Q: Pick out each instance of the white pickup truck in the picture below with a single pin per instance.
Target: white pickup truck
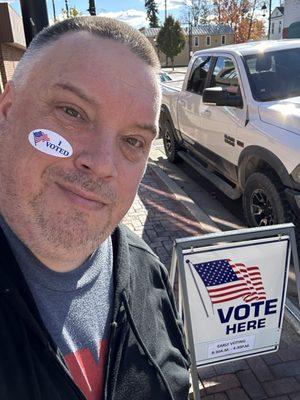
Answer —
(236, 120)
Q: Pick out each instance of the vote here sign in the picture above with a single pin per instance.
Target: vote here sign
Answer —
(236, 295)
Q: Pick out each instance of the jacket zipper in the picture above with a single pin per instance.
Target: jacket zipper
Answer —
(113, 327)
(65, 372)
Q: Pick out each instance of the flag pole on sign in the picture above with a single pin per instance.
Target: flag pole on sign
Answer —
(190, 264)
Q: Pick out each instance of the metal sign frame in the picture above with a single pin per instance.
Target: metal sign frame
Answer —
(213, 239)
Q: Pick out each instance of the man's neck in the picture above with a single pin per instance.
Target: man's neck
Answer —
(62, 261)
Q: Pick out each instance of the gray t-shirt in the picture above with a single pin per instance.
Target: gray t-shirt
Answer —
(75, 307)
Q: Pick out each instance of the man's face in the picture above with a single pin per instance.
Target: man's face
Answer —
(104, 101)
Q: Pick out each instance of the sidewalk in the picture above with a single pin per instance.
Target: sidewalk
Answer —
(158, 217)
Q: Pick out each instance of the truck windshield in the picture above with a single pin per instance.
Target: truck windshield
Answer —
(274, 75)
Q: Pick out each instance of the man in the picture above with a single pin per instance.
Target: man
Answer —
(86, 311)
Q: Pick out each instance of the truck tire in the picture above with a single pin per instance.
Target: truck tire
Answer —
(264, 201)
(170, 144)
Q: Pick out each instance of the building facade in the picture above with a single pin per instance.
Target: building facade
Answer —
(276, 27)
(12, 42)
(201, 37)
(285, 20)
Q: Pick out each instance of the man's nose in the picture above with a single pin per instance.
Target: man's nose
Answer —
(99, 157)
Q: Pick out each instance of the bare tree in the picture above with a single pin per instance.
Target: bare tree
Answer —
(196, 12)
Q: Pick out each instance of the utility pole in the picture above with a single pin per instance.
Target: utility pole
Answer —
(270, 12)
(92, 7)
(35, 17)
(190, 34)
(67, 8)
(54, 13)
(165, 10)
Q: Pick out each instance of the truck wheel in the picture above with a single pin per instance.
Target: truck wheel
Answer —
(263, 202)
(170, 144)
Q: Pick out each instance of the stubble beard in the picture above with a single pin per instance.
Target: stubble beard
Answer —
(71, 229)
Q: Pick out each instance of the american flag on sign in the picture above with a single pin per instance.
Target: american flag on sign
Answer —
(225, 281)
(40, 136)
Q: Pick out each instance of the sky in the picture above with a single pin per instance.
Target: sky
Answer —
(131, 11)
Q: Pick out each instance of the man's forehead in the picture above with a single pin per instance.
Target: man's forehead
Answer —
(76, 44)
(96, 56)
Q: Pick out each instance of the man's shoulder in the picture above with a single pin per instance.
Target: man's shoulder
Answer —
(136, 243)
(138, 251)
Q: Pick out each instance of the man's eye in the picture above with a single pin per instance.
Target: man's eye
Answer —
(72, 112)
(134, 142)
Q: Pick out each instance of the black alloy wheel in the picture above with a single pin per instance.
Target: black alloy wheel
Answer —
(264, 201)
(262, 210)
(170, 144)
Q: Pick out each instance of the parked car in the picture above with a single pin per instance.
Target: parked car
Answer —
(164, 76)
(236, 120)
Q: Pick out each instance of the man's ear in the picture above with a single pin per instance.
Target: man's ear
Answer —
(6, 99)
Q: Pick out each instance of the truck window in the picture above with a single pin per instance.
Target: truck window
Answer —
(198, 75)
(225, 75)
(274, 75)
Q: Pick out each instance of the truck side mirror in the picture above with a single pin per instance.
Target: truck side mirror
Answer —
(219, 96)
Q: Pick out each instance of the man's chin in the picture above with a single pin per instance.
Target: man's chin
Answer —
(76, 232)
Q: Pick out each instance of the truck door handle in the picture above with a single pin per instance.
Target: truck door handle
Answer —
(205, 113)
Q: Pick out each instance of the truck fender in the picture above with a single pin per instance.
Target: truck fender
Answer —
(256, 158)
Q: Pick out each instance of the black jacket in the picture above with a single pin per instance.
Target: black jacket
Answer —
(147, 358)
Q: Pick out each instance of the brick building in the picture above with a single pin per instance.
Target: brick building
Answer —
(12, 42)
(202, 37)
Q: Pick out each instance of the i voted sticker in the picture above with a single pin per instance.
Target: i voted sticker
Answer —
(50, 142)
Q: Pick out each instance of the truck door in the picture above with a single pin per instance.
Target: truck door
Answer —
(190, 100)
(220, 124)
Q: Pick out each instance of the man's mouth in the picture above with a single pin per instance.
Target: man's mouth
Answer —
(82, 198)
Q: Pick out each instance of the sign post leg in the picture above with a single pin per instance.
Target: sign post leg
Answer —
(188, 327)
(173, 267)
(295, 261)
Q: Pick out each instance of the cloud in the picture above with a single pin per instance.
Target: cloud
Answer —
(135, 18)
(171, 4)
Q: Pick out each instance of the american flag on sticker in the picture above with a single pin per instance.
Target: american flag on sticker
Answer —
(225, 281)
(40, 136)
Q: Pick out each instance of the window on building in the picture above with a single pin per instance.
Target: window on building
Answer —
(279, 27)
(207, 40)
(198, 75)
(196, 41)
(223, 39)
(272, 28)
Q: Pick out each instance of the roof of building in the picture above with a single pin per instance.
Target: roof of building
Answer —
(281, 9)
(208, 29)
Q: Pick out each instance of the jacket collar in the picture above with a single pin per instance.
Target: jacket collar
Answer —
(15, 291)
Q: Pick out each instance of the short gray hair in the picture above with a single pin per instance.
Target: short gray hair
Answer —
(106, 28)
